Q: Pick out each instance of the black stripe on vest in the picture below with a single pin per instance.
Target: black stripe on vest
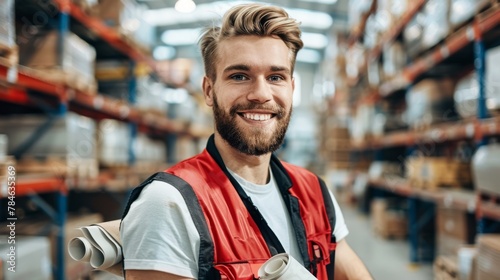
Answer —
(206, 254)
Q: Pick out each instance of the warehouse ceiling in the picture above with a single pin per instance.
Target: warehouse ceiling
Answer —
(177, 32)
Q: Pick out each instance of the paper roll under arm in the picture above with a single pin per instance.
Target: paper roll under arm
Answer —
(284, 267)
(80, 249)
(106, 237)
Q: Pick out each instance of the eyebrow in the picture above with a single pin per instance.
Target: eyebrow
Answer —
(245, 67)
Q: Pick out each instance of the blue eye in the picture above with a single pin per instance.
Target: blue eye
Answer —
(238, 77)
(275, 78)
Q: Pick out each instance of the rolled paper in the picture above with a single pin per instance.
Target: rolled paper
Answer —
(284, 267)
(80, 249)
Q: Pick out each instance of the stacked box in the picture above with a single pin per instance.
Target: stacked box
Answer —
(434, 172)
(336, 146)
(446, 268)
(7, 27)
(455, 228)
(68, 147)
(75, 66)
(488, 257)
(113, 139)
(149, 150)
(387, 221)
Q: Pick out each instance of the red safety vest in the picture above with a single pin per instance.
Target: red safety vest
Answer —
(231, 244)
(239, 248)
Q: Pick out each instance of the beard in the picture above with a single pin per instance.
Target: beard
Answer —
(255, 141)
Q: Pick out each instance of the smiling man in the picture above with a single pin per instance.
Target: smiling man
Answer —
(224, 212)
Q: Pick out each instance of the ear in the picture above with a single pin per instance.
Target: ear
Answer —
(208, 91)
(293, 84)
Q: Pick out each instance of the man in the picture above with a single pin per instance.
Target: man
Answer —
(224, 212)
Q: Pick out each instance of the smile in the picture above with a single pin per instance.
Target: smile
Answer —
(257, 116)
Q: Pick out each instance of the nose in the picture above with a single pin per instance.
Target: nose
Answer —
(260, 91)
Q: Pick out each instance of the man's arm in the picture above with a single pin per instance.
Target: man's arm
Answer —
(348, 265)
(151, 275)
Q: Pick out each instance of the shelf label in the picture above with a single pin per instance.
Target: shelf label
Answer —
(445, 52)
(470, 33)
(71, 93)
(448, 201)
(124, 111)
(469, 130)
(12, 75)
(492, 127)
(98, 102)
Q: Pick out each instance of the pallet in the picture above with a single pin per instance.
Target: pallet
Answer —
(391, 235)
(433, 185)
(76, 168)
(9, 55)
(70, 79)
(446, 268)
(337, 145)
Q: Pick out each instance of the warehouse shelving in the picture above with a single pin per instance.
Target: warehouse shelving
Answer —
(451, 131)
(395, 30)
(465, 44)
(110, 35)
(21, 86)
(451, 45)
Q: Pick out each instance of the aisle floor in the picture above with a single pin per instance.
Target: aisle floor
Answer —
(385, 259)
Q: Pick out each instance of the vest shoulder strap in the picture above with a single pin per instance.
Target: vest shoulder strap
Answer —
(206, 243)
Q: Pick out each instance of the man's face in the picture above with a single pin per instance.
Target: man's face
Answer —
(252, 95)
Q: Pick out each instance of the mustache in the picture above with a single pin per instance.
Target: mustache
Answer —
(277, 110)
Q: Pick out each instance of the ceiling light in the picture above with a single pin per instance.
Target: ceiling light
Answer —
(309, 56)
(181, 37)
(175, 96)
(164, 52)
(213, 12)
(185, 6)
(314, 40)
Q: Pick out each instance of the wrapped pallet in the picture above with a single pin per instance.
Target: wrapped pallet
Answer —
(68, 147)
(430, 101)
(7, 28)
(73, 67)
(8, 48)
(113, 143)
(467, 90)
(436, 25)
(463, 10)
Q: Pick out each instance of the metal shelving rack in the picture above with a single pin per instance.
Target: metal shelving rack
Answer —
(28, 90)
(477, 129)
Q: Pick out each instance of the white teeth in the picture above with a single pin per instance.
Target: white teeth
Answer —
(257, 117)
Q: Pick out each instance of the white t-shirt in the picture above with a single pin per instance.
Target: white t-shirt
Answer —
(159, 234)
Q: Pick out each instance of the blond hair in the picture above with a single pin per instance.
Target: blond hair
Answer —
(250, 19)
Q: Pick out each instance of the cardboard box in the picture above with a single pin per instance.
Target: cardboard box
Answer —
(455, 228)
(488, 257)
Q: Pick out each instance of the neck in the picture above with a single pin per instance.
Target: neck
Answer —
(252, 168)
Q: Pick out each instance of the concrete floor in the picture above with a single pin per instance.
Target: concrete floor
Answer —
(385, 259)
